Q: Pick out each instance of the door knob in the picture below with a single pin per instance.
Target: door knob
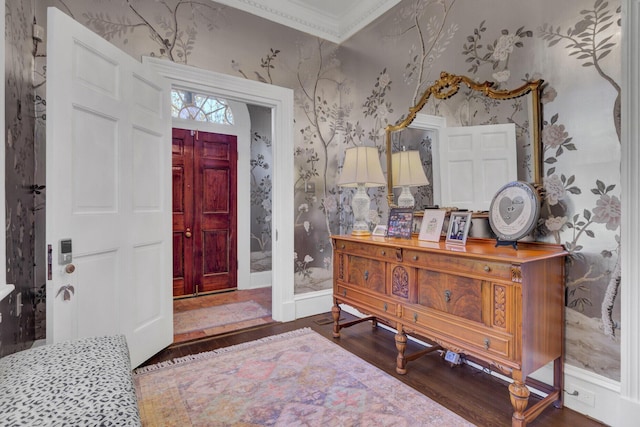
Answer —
(70, 268)
(187, 233)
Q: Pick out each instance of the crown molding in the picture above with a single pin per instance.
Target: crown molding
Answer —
(332, 20)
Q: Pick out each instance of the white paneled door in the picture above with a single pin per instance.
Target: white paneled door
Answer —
(485, 156)
(108, 191)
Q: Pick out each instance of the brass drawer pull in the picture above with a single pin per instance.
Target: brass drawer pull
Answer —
(344, 293)
(487, 268)
(366, 275)
(383, 253)
(415, 317)
(486, 343)
(447, 295)
(385, 306)
(342, 246)
(415, 257)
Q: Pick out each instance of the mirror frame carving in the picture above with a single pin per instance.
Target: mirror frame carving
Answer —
(447, 86)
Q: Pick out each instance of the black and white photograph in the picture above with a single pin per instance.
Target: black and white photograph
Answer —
(459, 224)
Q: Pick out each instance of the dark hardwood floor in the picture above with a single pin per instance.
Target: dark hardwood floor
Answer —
(475, 395)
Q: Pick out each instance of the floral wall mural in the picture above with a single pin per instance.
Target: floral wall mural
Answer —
(345, 96)
(18, 329)
(261, 200)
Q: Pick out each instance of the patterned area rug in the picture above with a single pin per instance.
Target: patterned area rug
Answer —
(216, 316)
(298, 378)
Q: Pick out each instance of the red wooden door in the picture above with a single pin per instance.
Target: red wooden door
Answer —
(205, 217)
(183, 208)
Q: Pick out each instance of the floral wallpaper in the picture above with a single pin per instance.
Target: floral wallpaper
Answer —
(345, 96)
(261, 200)
(18, 330)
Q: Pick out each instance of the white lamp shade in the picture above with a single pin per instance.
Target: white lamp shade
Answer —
(362, 166)
(407, 170)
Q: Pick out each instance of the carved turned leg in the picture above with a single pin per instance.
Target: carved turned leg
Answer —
(401, 345)
(519, 400)
(335, 313)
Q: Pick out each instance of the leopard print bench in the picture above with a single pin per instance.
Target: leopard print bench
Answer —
(86, 382)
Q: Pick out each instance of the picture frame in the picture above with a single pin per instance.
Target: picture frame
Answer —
(380, 230)
(400, 223)
(417, 223)
(459, 225)
(431, 227)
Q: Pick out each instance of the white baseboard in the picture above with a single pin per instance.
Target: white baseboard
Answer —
(260, 279)
(312, 303)
(587, 393)
(601, 396)
(38, 343)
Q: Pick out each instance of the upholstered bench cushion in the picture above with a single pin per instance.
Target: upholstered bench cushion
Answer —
(85, 382)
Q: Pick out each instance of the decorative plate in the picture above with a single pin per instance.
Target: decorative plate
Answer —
(514, 211)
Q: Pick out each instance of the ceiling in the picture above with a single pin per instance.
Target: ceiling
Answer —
(332, 20)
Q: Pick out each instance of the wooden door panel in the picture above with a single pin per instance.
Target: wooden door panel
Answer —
(178, 189)
(216, 211)
(215, 197)
(216, 250)
(204, 186)
(216, 150)
(182, 161)
(178, 264)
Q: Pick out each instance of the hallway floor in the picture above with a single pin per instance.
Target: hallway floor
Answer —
(262, 296)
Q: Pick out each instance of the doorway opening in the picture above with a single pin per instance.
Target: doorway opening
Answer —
(279, 101)
(204, 171)
(222, 208)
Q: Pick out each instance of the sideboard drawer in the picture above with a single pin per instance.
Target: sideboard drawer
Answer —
(373, 251)
(366, 301)
(366, 273)
(476, 267)
(482, 340)
(456, 295)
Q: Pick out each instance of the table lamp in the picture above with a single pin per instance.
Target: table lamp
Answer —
(361, 169)
(407, 172)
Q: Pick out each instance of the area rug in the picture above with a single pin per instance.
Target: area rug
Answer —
(218, 315)
(298, 378)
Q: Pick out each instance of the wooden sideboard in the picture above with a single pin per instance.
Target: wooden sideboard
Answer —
(499, 306)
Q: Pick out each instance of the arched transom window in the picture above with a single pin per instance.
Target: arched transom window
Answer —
(200, 107)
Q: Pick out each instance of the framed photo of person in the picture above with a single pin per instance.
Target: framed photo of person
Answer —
(459, 224)
(400, 223)
(431, 227)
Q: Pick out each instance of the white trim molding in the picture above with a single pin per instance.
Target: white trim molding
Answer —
(630, 226)
(5, 289)
(280, 101)
(332, 20)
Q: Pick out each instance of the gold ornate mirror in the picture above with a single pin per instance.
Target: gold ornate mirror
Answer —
(491, 99)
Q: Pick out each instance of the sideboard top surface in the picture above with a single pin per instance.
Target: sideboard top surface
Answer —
(474, 248)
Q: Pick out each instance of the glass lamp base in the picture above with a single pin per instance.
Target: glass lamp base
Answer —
(405, 199)
(360, 205)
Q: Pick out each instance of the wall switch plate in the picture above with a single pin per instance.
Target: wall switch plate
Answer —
(452, 357)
